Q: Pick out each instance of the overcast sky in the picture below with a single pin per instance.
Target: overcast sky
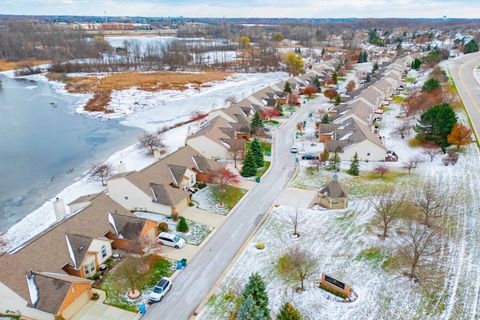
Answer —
(249, 8)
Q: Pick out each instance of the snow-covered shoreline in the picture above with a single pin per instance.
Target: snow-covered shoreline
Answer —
(145, 110)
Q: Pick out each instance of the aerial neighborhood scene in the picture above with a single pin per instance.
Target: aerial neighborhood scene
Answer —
(254, 160)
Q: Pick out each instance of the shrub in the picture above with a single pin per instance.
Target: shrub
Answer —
(201, 185)
(260, 246)
(95, 296)
(182, 225)
(191, 204)
(163, 227)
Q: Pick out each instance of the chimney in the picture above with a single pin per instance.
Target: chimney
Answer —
(122, 168)
(157, 154)
(59, 208)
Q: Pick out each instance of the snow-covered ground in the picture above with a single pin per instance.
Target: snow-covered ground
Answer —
(148, 111)
(340, 239)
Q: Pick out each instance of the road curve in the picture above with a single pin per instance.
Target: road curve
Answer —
(193, 284)
(468, 87)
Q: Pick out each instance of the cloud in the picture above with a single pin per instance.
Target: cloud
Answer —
(250, 8)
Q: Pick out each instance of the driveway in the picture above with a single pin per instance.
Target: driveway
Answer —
(468, 87)
(99, 311)
(294, 197)
(193, 284)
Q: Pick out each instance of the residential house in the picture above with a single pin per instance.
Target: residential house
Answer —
(46, 276)
(218, 139)
(163, 187)
(352, 136)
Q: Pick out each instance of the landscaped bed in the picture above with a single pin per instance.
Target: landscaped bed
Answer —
(208, 199)
(116, 287)
(197, 232)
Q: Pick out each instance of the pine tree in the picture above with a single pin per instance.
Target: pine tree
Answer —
(365, 56)
(256, 122)
(375, 67)
(334, 163)
(316, 83)
(255, 288)
(279, 108)
(287, 88)
(355, 166)
(288, 312)
(369, 77)
(325, 118)
(249, 168)
(182, 225)
(248, 310)
(257, 153)
(335, 77)
(338, 100)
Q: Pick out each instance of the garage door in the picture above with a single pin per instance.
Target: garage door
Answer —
(76, 305)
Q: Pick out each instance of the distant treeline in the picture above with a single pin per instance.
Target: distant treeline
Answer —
(26, 40)
(178, 55)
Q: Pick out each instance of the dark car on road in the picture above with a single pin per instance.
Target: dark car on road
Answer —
(309, 156)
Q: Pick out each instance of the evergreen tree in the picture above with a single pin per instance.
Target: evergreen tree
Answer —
(431, 84)
(368, 78)
(316, 82)
(360, 57)
(334, 163)
(436, 124)
(248, 310)
(257, 153)
(324, 51)
(375, 67)
(182, 225)
(256, 289)
(287, 88)
(335, 77)
(365, 56)
(249, 168)
(256, 122)
(325, 118)
(355, 166)
(470, 47)
(416, 64)
(279, 108)
(338, 100)
(288, 312)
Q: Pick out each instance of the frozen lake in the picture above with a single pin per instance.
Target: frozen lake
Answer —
(42, 140)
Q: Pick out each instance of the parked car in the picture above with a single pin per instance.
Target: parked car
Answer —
(294, 149)
(160, 290)
(171, 240)
(309, 156)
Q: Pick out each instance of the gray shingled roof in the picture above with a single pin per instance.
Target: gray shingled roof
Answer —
(160, 194)
(80, 245)
(334, 189)
(177, 173)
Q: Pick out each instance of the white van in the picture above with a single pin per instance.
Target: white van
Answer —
(171, 240)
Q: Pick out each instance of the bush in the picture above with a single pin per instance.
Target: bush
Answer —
(95, 296)
(201, 185)
(191, 204)
(182, 225)
(260, 246)
(163, 227)
(95, 277)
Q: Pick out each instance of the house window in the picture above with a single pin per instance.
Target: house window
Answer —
(126, 198)
(89, 268)
(104, 252)
(368, 154)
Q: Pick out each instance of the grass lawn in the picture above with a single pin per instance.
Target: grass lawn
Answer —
(261, 171)
(116, 288)
(271, 122)
(231, 197)
(409, 80)
(387, 177)
(398, 99)
(266, 146)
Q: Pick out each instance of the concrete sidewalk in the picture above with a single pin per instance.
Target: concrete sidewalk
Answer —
(204, 217)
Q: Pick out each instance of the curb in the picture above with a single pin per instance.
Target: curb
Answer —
(232, 263)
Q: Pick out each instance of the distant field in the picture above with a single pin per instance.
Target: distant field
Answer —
(13, 65)
(102, 87)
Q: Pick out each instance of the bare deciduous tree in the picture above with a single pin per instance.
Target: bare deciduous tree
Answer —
(431, 150)
(236, 154)
(150, 141)
(231, 100)
(412, 163)
(417, 243)
(388, 205)
(129, 276)
(317, 163)
(403, 130)
(431, 202)
(101, 171)
(296, 218)
(381, 170)
(297, 265)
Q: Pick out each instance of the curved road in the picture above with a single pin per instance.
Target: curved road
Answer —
(468, 87)
(193, 284)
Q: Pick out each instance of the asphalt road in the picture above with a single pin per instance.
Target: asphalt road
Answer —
(468, 87)
(193, 284)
